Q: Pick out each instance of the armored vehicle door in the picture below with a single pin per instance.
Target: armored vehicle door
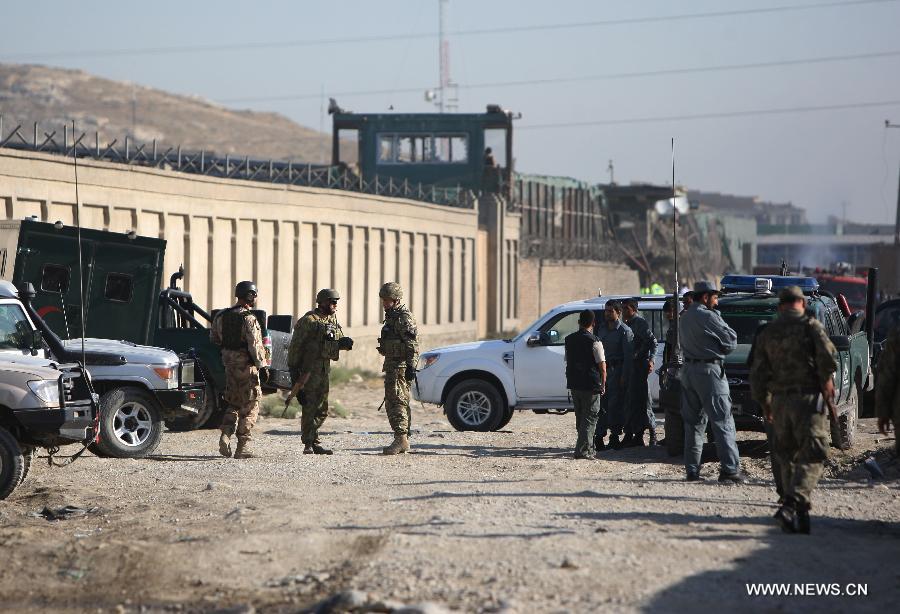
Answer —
(51, 265)
(122, 291)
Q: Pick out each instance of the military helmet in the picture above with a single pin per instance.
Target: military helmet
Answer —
(327, 294)
(391, 290)
(244, 288)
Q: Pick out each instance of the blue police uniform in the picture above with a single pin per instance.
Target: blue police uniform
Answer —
(705, 341)
(618, 348)
(640, 416)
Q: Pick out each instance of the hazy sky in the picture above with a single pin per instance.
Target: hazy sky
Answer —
(818, 159)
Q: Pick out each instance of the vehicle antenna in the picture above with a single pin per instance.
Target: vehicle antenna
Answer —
(675, 301)
(78, 227)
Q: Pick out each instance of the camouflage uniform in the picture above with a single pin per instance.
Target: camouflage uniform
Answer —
(400, 349)
(792, 359)
(236, 331)
(887, 384)
(314, 345)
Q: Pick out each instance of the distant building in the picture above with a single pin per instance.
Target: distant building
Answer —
(765, 213)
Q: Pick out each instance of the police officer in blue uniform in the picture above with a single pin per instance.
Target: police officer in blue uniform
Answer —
(705, 340)
(618, 341)
(639, 415)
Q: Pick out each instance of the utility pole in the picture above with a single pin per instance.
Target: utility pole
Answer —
(888, 124)
(448, 99)
(612, 176)
(133, 112)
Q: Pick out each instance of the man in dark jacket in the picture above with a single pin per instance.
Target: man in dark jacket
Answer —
(586, 381)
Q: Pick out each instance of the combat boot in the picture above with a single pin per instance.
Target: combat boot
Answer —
(801, 521)
(243, 449)
(317, 449)
(225, 441)
(787, 515)
(308, 449)
(400, 445)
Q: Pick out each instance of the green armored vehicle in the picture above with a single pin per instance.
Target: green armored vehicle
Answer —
(125, 304)
(747, 303)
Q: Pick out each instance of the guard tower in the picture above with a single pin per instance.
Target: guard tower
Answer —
(468, 150)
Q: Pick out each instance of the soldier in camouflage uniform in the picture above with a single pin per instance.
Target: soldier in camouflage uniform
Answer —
(793, 365)
(887, 387)
(399, 346)
(317, 340)
(237, 332)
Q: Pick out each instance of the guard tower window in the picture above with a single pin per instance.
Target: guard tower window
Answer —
(119, 288)
(55, 278)
(423, 148)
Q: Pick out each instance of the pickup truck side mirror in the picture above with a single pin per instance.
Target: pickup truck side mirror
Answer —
(533, 341)
(841, 342)
(37, 342)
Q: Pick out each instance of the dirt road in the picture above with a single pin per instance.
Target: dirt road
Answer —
(472, 521)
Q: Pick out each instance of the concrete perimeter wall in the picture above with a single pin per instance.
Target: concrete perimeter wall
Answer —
(292, 241)
(546, 283)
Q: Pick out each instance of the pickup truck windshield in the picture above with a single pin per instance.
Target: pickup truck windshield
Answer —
(15, 329)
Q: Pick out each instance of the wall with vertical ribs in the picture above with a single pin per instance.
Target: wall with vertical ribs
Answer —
(292, 241)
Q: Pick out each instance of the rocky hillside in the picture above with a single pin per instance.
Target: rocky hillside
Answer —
(54, 96)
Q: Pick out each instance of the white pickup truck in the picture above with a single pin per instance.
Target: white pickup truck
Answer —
(480, 384)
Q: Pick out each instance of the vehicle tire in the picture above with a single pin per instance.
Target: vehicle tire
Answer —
(191, 423)
(474, 405)
(130, 424)
(12, 463)
(507, 416)
(27, 457)
(674, 429)
(844, 434)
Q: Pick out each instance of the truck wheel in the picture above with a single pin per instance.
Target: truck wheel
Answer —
(507, 416)
(474, 405)
(12, 463)
(130, 424)
(190, 423)
(674, 434)
(844, 433)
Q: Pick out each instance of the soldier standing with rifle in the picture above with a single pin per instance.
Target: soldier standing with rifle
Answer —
(399, 345)
(317, 340)
(792, 379)
(236, 331)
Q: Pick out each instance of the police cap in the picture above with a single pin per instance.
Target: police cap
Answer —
(704, 287)
(327, 295)
(244, 288)
(790, 294)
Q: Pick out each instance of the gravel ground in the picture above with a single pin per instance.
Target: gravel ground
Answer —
(475, 522)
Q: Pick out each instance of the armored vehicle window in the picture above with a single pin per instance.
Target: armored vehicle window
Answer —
(119, 288)
(564, 324)
(55, 278)
(15, 330)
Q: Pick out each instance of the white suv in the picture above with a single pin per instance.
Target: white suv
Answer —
(480, 384)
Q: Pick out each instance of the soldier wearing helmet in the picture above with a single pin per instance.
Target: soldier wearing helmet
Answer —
(317, 340)
(237, 332)
(399, 346)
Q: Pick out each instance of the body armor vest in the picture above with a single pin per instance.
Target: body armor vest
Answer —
(582, 372)
(232, 330)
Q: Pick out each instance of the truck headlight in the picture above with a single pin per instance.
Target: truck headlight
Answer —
(46, 390)
(426, 360)
(168, 374)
